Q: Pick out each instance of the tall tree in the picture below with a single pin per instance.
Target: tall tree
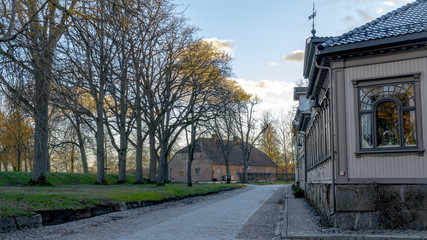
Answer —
(205, 70)
(89, 51)
(222, 124)
(43, 23)
(246, 130)
(269, 140)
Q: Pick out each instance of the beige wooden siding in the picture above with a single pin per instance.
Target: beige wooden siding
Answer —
(404, 166)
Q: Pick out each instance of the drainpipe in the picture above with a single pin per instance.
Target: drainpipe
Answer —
(305, 163)
(331, 119)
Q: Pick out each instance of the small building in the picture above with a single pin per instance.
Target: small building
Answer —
(365, 161)
(209, 163)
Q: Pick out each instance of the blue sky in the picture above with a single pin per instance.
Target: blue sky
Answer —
(267, 37)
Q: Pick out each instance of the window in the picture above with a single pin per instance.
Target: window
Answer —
(388, 115)
(181, 171)
(197, 172)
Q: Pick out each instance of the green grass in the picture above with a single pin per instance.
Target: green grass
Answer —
(77, 191)
(22, 178)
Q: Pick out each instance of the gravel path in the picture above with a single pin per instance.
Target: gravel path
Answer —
(263, 224)
(219, 216)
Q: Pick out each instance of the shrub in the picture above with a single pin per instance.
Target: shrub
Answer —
(299, 193)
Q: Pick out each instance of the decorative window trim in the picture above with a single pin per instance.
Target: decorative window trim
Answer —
(413, 78)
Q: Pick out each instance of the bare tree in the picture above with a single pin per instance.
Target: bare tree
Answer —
(269, 140)
(246, 130)
(89, 51)
(222, 124)
(285, 137)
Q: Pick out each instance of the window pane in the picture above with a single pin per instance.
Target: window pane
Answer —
(387, 120)
(409, 128)
(366, 126)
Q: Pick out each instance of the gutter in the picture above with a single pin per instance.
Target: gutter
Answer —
(331, 119)
(367, 45)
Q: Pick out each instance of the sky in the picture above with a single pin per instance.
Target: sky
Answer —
(267, 37)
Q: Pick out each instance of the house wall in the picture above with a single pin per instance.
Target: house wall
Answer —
(382, 167)
(180, 161)
(321, 173)
(372, 190)
(234, 169)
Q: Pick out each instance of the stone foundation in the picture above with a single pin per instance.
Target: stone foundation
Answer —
(368, 206)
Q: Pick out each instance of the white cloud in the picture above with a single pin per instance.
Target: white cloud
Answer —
(223, 45)
(295, 56)
(380, 11)
(349, 19)
(272, 63)
(276, 96)
(389, 3)
(365, 15)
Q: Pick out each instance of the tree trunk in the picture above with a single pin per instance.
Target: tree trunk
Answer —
(41, 110)
(153, 155)
(19, 158)
(139, 178)
(190, 161)
(100, 150)
(122, 161)
(81, 146)
(139, 144)
(245, 172)
(25, 164)
(162, 166)
(165, 169)
(227, 168)
(72, 158)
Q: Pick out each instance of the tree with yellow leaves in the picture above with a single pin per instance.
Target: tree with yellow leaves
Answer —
(16, 136)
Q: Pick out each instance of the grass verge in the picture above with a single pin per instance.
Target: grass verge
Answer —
(22, 178)
(71, 192)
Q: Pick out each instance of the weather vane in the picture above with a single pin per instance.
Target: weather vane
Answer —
(311, 17)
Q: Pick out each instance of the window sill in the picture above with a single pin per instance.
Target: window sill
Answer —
(390, 152)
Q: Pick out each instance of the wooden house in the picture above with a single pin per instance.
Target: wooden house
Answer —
(365, 161)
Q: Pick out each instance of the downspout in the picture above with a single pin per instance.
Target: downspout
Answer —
(331, 120)
(305, 162)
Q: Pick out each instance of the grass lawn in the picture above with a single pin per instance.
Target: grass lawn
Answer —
(77, 191)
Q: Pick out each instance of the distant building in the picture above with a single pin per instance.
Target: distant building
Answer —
(364, 145)
(209, 163)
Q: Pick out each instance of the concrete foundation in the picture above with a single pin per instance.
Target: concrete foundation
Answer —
(369, 206)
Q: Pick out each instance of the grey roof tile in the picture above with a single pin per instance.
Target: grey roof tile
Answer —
(411, 18)
(213, 150)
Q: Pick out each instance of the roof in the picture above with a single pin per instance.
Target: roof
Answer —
(302, 116)
(305, 106)
(409, 19)
(310, 51)
(212, 149)
(299, 91)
